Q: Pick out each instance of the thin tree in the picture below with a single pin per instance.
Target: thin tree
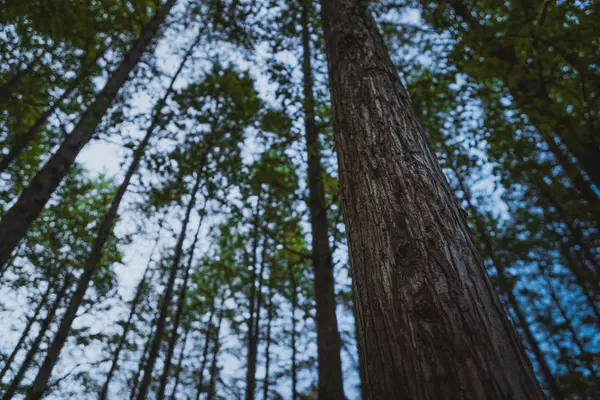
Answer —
(328, 335)
(17, 220)
(430, 323)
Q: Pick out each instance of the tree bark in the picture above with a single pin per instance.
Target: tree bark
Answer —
(140, 368)
(266, 382)
(430, 323)
(294, 299)
(328, 335)
(214, 370)
(178, 314)
(20, 216)
(251, 338)
(30, 321)
(200, 385)
(35, 346)
(179, 366)
(165, 301)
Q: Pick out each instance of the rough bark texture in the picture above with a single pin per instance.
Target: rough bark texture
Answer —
(18, 218)
(430, 324)
(328, 335)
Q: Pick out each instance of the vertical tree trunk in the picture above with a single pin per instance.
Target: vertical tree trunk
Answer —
(431, 325)
(165, 301)
(178, 313)
(30, 321)
(35, 346)
(20, 216)
(200, 385)
(251, 338)
(293, 335)
(328, 336)
(142, 363)
(135, 302)
(266, 382)
(214, 370)
(179, 366)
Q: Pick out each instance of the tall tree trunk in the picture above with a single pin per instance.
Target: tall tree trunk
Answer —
(178, 313)
(266, 382)
(214, 370)
(165, 301)
(20, 216)
(430, 323)
(23, 140)
(142, 362)
(251, 338)
(534, 346)
(293, 335)
(179, 366)
(200, 385)
(35, 346)
(328, 335)
(30, 321)
(135, 302)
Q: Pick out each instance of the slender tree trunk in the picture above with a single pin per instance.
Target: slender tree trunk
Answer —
(23, 140)
(143, 359)
(214, 370)
(293, 335)
(430, 323)
(20, 216)
(165, 301)
(534, 346)
(135, 302)
(200, 385)
(179, 366)
(178, 313)
(252, 345)
(328, 336)
(30, 321)
(35, 346)
(266, 382)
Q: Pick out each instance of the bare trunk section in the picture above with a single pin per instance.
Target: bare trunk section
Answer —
(140, 368)
(328, 336)
(20, 216)
(178, 314)
(30, 321)
(214, 370)
(430, 323)
(35, 346)
(266, 382)
(135, 302)
(200, 384)
(251, 338)
(179, 366)
(293, 335)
